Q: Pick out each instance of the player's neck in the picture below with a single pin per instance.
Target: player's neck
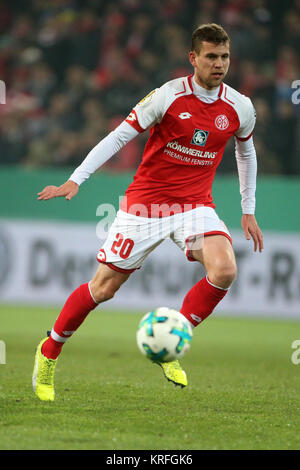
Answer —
(203, 90)
(207, 96)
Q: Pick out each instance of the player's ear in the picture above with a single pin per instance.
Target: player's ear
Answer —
(192, 57)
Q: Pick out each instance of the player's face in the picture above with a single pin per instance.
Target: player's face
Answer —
(211, 64)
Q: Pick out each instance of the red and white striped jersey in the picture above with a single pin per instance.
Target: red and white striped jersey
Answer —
(186, 143)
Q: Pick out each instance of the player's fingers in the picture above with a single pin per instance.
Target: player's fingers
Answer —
(48, 188)
(260, 240)
(47, 193)
(255, 239)
(46, 197)
(42, 193)
(72, 192)
(246, 232)
(256, 232)
(70, 195)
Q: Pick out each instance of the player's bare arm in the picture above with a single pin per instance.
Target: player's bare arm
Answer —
(68, 190)
(252, 230)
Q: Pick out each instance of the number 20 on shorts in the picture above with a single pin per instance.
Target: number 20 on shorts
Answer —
(121, 246)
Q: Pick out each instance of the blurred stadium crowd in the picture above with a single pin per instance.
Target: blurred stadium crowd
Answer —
(74, 69)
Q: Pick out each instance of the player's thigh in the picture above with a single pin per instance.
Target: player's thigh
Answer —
(106, 282)
(130, 240)
(217, 256)
(200, 229)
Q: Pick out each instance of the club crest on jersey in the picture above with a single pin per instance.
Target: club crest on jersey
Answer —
(199, 137)
(221, 122)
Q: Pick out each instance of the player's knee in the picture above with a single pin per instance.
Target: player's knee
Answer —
(224, 275)
(104, 291)
(227, 274)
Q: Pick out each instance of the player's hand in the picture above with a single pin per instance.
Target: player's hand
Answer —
(67, 190)
(252, 230)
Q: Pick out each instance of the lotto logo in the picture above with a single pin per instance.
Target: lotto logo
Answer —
(184, 115)
(131, 117)
(196, 318)
(101, 256)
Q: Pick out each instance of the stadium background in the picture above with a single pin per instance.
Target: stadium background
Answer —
(73, 70)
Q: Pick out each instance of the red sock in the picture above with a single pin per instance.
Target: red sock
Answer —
(75, 310)
(201, 300)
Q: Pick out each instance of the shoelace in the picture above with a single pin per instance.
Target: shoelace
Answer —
(47, 372)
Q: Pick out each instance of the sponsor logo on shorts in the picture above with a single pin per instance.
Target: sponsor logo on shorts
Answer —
(101, 256)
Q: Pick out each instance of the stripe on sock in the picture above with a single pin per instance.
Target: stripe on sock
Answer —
(57, 338)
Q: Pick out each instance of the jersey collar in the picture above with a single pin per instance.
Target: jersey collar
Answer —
(192, 89)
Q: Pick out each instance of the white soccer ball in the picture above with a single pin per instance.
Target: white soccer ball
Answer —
(164, 335)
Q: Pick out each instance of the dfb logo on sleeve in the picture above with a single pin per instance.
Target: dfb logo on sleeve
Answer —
(199, 137)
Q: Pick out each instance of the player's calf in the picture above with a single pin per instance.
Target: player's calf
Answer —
(79, 304)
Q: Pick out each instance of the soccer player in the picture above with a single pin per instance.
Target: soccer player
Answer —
(190, 121)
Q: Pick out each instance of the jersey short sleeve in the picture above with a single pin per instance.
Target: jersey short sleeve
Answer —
(247, 117)
(147, 112)
(151, 109)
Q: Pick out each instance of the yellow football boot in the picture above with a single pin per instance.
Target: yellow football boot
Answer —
(174, 373)
(43, 375)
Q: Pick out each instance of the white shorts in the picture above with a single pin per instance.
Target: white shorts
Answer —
(131, 238)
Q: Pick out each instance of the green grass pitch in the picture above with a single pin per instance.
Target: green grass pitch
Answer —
(243, 390)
